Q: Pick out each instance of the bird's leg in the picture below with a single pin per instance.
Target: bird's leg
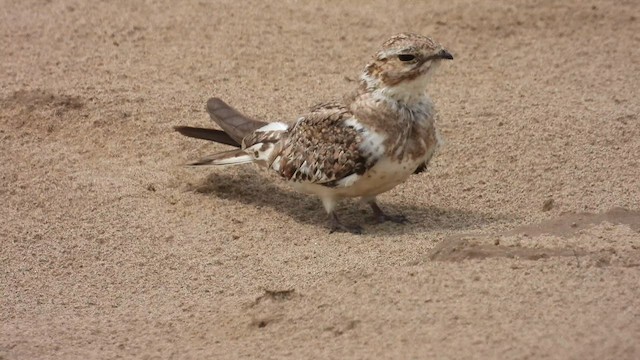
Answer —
(336, 225)
(380, 215)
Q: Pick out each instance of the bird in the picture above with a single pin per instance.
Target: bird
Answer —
(366, 144)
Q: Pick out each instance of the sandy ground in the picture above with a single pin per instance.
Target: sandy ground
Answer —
(524, 240)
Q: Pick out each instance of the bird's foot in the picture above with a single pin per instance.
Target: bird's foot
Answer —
(380, 216)
(398, 219)
(336, 225)
(353, 229)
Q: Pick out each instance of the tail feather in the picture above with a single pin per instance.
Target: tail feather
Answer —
(236, 125)
(231, 157)
(207, 134)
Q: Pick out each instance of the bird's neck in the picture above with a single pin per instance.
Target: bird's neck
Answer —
(408, 93)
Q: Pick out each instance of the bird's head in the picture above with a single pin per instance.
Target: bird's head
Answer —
(403, 65)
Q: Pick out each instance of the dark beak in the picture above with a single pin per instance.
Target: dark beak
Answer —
(444, 54)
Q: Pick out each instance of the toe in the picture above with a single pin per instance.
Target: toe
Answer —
(398, 219)
(353, 229)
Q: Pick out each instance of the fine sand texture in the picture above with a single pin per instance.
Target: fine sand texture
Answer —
(524, 241)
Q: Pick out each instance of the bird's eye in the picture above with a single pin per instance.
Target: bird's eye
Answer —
(406, 57)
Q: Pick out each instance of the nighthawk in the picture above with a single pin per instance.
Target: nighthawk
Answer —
(363, 146)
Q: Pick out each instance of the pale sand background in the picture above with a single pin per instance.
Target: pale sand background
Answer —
(111, 248)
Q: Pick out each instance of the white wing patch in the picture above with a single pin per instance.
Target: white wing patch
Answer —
(274, 126)
(275, 165)
(372, 144)
(260, 151)
(243, 159)
(347, 180)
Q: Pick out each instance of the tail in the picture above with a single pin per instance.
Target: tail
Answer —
(235, 126)
(207, 134)
(231, 157)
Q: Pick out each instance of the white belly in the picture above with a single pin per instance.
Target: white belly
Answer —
(382, 177)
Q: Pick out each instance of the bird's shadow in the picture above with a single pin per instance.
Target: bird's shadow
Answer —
(248, 186)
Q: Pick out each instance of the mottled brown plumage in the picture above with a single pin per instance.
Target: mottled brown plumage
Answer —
(321, 149)
(364, 146)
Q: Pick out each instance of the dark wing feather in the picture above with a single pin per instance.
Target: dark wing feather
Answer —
(218, 136)
(234, 123)
(235, 126)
